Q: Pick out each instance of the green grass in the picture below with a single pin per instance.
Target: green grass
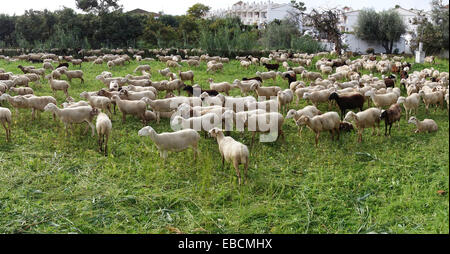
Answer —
(50, 183)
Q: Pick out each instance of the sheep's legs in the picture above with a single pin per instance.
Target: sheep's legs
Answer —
(236, 167)
(245, 171)
(124, 116)
(317, 138)
(105, 141)
(6, 130)
(194, 149)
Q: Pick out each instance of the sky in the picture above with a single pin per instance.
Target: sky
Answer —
(179, 7)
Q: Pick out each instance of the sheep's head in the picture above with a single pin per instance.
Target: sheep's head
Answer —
(146, 131)
(333, 96)
(302, 120)
(95, 111)
(291, 113)
(215, 132)
(412, 120)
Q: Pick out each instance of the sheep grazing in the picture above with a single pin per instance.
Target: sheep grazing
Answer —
(317, 97)
(127, 107)
(266, 92)
(271, 67)
(266, 122)
(188, 75)
(382, 100)
(212, 100)
(135, 96)
(245, 86)
(73, 74)
(16, 101)
(329, 121)
(223, 87)
(141, 68)
(432, 98)
(21, 90)
(390, 116)
(345, 127)
(214, 67)
(38, 103)
(172, 64)
(427, 125)
(311, 75)
(205, 122)
(6, 120)
(175, 142)
(190, 90)
(101, 102)
(348, 101)
(285, 98)
(267, 75)
(103, 126)
(365, 119)
(70, 116)
(232, 151)
(309, 111)
(410, 103)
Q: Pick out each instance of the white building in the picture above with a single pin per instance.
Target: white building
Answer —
(256, 13)
(349, 20)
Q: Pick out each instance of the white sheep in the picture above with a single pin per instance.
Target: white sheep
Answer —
(432, 98)
(266, 122)
(267, 75)
(21, 90)
(285, 98)
(103, 126)
(127, 107)
(101, 102)
(427, 125)
(6, 120)
(70, 116)
(329, 121)
(232, 151)
(382, 100)
(410, 103)
(365, 119)
(222, 87)
(204, 122)
(266, 91)
(73, 74)
(60, 85)
(175, 141)
(309, 111)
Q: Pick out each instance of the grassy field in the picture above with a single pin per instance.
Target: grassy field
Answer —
(50, 183)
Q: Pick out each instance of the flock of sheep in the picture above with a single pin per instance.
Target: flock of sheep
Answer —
(338, 83)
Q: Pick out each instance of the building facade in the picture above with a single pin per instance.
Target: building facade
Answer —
(256, 13)
(349, 20)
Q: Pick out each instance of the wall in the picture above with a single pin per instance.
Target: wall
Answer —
(360, 46)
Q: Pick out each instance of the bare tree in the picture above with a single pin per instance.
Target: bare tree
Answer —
(326, 22)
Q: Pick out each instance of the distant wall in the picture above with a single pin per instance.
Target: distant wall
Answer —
(360, 46)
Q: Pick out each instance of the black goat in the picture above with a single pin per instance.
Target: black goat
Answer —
(390, 116)
(290, 77)
(255, 78)
(272, 67)
(190, 90)
(63, 65)
(348, 101)
(390, 81)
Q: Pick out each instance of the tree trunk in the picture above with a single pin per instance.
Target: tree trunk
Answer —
(385, 45)
(337, 45)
